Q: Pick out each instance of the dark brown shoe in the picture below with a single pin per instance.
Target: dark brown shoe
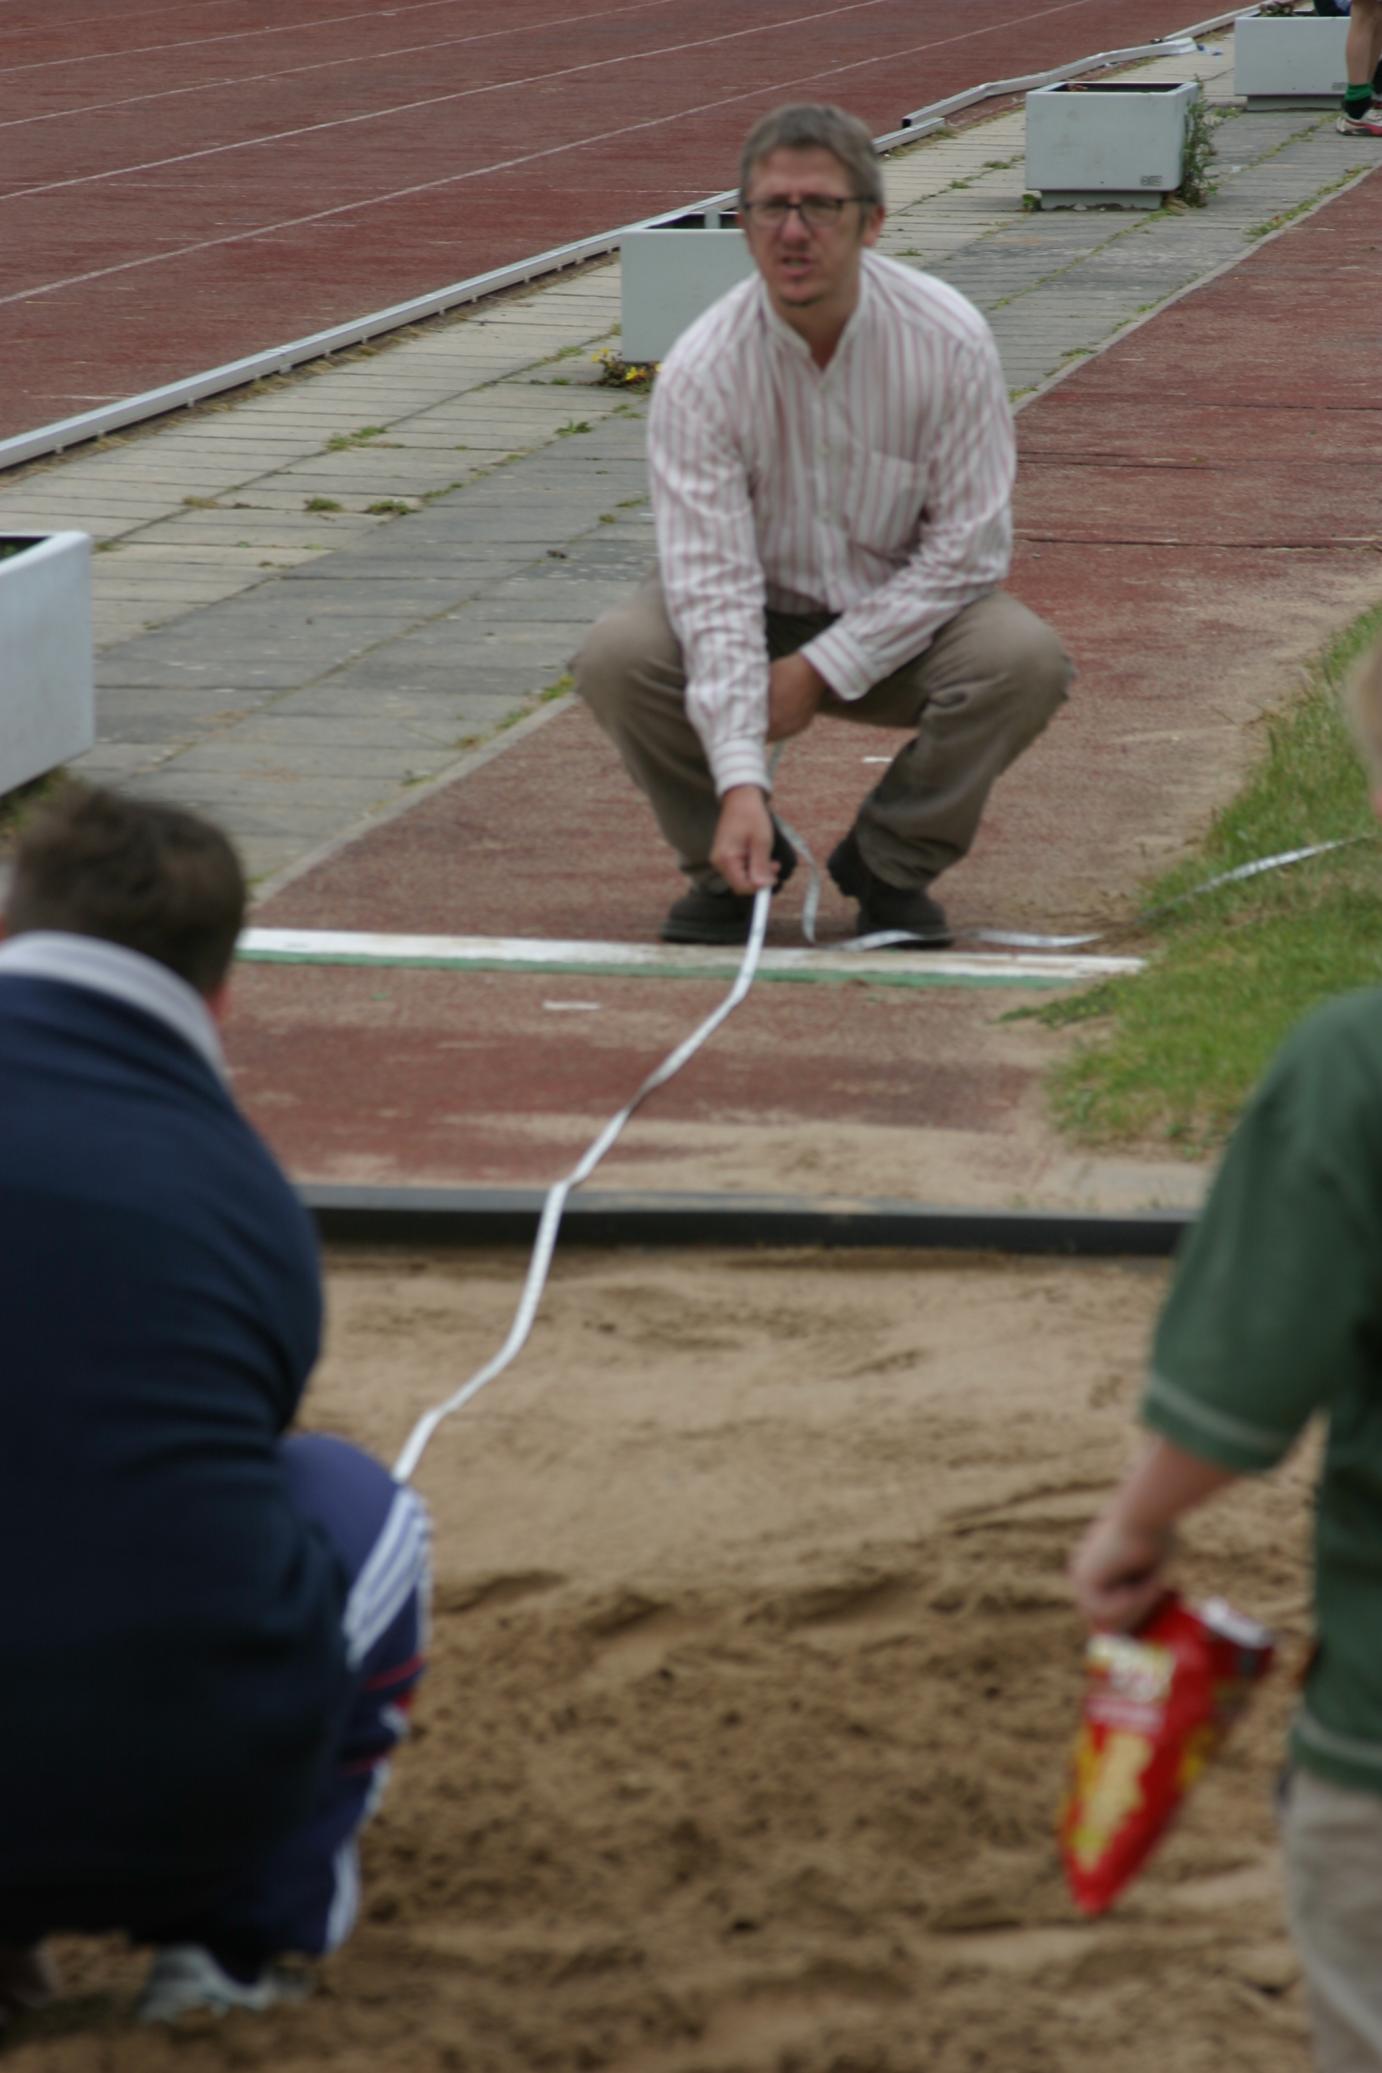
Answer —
(702, 916)
(883, 907)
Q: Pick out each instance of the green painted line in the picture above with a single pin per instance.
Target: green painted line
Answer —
(800, 976)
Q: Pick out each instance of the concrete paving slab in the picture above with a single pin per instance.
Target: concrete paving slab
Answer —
(284, 761)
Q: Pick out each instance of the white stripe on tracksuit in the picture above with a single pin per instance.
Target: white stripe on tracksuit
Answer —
(396, 1566)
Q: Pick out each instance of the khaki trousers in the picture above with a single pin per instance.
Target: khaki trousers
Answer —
(1333, 1844)
(987, 685)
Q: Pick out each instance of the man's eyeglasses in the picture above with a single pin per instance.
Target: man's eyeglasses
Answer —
(817, 211)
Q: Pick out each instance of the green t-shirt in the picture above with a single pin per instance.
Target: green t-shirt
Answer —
(1276, 1313)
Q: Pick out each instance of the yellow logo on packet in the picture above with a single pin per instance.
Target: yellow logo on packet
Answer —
(1108, 1787)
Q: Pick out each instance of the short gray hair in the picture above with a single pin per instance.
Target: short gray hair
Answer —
(815, 126)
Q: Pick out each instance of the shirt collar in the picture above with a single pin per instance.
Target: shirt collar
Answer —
(123, 975)
(855, 323)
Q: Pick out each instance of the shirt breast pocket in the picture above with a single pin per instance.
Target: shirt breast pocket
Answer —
(883, 500)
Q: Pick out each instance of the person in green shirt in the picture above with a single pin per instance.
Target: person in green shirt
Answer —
(1274, 1316)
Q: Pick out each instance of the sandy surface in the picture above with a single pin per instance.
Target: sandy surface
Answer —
(754, 1681)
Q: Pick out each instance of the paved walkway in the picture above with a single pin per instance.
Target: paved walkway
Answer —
(311, 600)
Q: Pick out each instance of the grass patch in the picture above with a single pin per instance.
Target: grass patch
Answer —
(1262, 230)
(16, 806)
(342, 442)
(1176, 1050)
(618, 373)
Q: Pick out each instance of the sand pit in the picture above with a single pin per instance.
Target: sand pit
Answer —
(754, 1679)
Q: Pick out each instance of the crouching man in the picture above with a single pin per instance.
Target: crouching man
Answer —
(831, 457)
(212, 1629)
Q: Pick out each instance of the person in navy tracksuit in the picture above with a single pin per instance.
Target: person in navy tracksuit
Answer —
(213, 1629)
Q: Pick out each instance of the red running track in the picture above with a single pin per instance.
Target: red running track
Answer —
(188, 182)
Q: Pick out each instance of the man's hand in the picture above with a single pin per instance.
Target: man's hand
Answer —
(795, 691)
(1118, 1572)
(743, 845)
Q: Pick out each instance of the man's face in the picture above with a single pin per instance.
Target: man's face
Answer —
(807, 265)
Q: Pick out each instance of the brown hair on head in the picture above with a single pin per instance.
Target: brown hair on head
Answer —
(154, 878)
(816, 126)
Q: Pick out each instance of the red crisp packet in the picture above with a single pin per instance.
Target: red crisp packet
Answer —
(1157, 1707)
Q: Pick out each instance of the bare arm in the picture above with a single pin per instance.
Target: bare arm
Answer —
(1119, 1569)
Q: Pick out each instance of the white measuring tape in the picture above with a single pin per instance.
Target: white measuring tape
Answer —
(555, 1202)
(1019, 939)
(556, 1199)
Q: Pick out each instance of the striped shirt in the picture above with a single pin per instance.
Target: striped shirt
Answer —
(877, 488)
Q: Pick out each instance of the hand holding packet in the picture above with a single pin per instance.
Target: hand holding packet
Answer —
(1157, 1707)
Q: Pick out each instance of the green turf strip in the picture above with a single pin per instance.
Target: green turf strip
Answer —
(1172, 1054)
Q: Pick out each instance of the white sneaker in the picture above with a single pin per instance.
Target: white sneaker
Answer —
(184, 1978)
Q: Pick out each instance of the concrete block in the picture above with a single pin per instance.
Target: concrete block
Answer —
(1290, 60)
(669, 277)
(1116, 144)
(47, 702)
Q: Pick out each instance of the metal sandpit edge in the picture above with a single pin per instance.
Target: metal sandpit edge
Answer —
(349, 1215)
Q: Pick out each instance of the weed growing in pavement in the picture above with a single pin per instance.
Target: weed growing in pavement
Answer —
(388, 507)
(341, 442)
(625, 374)
(1197, 155)
(1181, 1044)
(1262, 230)
(322, 504)
(572, 427)
(202, 503)
(16, 806)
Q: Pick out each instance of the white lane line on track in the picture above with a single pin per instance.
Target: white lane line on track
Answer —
(413, 7)
(521, 82)
(536, 954)
(144, 50)
(456, 179)
(467, 93)
(138, 14)
(368, 57)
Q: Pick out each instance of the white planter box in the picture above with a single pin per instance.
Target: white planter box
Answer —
(670, 276)
(1289, 60)
(47, 704)
(1118, 144)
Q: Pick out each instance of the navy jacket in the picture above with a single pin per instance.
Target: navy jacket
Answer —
(171, 1660)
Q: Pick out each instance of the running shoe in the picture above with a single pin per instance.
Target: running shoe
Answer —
(186, 1979)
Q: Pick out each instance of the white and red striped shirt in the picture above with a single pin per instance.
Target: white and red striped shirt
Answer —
(877, 487)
